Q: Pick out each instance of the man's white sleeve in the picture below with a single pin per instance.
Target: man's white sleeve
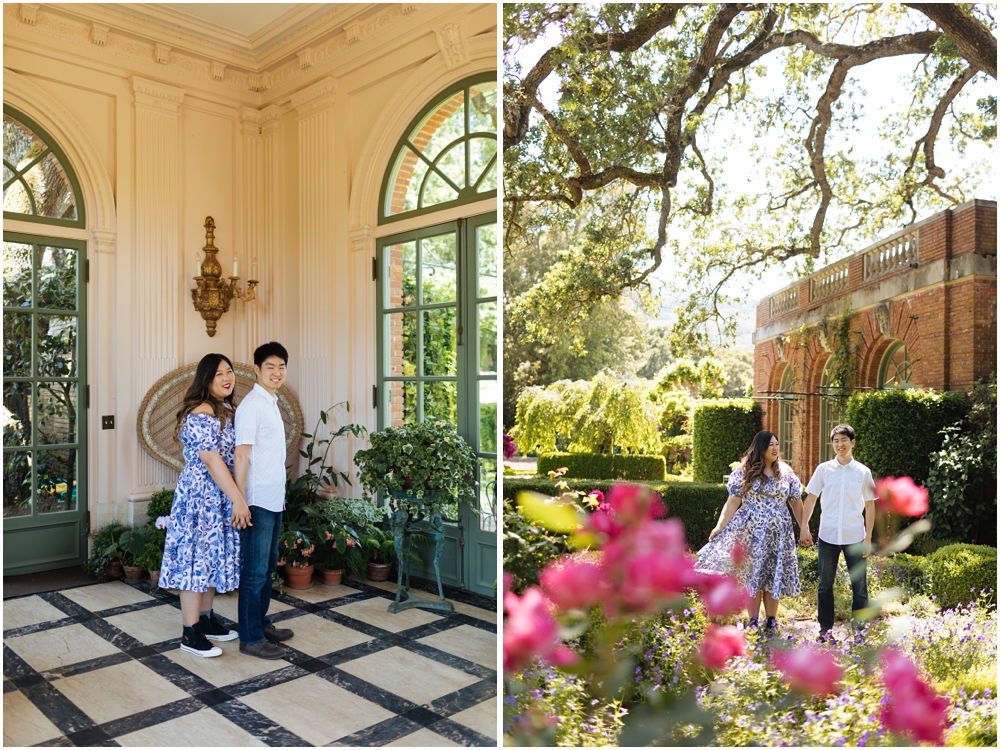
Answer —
(247, 421)
(815, 486)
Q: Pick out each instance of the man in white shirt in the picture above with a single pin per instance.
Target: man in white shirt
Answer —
(847, 517)
(260, 476)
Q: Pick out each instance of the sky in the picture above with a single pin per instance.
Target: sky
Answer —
(885, 96)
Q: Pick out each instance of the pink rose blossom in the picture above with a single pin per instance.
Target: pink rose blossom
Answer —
(634, 503)
(598, 496)
(914, 707)
(653, 578)
(530, 631)
(508, 581)
(721, 643)
(723, 595)
(575, 584)
(901, 496)
(809, 669)
(602, 521)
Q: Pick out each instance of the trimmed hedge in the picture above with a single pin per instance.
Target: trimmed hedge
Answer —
(605, 466)
(898, 430)
(959, 572)
(722, 431)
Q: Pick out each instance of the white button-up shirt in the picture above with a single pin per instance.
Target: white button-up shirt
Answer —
(259, 425)
(842, 490)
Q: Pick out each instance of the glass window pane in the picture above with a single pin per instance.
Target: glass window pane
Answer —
(483, 114)
(436, 190)
(440, 349)
(55, 475)
(16, 484)
(483, 151)
(56, 278)
(487, 416)
(452, 163)
(16, 415)
(487, 337)
(20, 145)
(55, 410)
(57, 345)
(441, 401)
(488, 494)
(401, 260)
(51, 190)
(16, 274)
(443, 125)
(402, 402)
(404, 184)
(401, 344)
(437, 266)
(7, 175)
(486, 248)
(15, 199)
(16, 345)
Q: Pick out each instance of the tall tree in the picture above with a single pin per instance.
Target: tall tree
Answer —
(650, 96)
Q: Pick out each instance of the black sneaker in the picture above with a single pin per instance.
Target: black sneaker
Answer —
(771, 626)
(826, 636)
(194, 642)
(215, 630)
(751, 624)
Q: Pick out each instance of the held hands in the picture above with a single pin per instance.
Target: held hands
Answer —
(241, 515)
(867, 547)
(805, 538)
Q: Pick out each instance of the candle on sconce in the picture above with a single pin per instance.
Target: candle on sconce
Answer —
(197, 263)
(235, 265)
(253, 270)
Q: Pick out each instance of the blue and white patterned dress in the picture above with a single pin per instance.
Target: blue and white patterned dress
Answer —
(202, 549)
(763, 525)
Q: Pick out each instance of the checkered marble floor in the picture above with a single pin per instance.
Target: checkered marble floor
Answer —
(100, 666)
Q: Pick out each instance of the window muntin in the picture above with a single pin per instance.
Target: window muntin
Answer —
(448, 156)
(896, 371)
(38, 183)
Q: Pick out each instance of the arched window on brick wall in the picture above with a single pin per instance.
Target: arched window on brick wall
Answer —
(831, 413)
(786, 415)
(895, 370)
(449, 156)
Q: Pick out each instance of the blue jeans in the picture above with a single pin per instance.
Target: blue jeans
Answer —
(258, 561)
(829, 557)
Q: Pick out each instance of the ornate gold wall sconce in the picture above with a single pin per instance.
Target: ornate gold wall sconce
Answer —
(213, 293)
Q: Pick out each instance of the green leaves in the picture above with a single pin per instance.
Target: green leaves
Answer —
(549, 512)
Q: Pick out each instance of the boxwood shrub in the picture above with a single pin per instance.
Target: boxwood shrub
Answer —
(959, 572)
(898, 430)
(722, 431)
(605, 466)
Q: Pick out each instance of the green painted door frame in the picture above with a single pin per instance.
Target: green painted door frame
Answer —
(49, 528)
(469, 557)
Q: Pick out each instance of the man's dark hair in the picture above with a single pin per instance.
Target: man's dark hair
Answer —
(270, 349)
(842, 429)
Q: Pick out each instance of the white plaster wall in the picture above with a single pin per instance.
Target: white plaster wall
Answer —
(218, 172)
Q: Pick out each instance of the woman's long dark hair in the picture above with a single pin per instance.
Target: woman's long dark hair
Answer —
(198, 393)
(753, 463)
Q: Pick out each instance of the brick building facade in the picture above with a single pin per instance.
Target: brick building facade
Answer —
(922, 314)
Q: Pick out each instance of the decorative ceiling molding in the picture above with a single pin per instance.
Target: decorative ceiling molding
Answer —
(155, 94)
(138, 44)
(313, 97)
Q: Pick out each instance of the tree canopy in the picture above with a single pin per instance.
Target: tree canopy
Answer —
(635, 108)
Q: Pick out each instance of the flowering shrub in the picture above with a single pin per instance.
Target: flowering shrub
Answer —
(509, 447)
(295, 549)
(708, 683)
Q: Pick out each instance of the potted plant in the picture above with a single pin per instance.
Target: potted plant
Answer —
(337, 525)
(158, 517)
(426, 465)
(296, 550)
(131, 546)
(103, 562)
(379, 549)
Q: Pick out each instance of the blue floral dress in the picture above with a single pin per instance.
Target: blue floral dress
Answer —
(202, 549)
(763, 525)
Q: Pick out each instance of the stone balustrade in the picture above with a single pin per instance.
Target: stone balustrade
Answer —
(831, 280)
(896, 253)
(784, 301)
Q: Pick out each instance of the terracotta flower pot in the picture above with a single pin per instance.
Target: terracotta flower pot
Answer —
(332, 577)
(134, 572)
(379, 571)
(299, 578)
(113, 569)
(154, 577)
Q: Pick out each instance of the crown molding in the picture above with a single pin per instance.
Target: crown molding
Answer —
(316, 96)
(155, 94)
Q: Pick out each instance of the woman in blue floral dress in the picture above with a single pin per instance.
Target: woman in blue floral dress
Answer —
(202, 551)
(754, 539)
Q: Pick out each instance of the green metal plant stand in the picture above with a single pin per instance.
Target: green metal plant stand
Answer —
(403, 527)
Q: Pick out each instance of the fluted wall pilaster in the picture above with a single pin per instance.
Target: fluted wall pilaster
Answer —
(253, 219)
(314, 107)
(157, 267)
(272, 170)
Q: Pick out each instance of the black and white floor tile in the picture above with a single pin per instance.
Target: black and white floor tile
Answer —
(100, 666)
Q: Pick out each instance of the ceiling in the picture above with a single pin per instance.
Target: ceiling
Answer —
(249, 19)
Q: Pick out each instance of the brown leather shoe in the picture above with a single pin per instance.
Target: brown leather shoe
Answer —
(277, 635)
(263, 650)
